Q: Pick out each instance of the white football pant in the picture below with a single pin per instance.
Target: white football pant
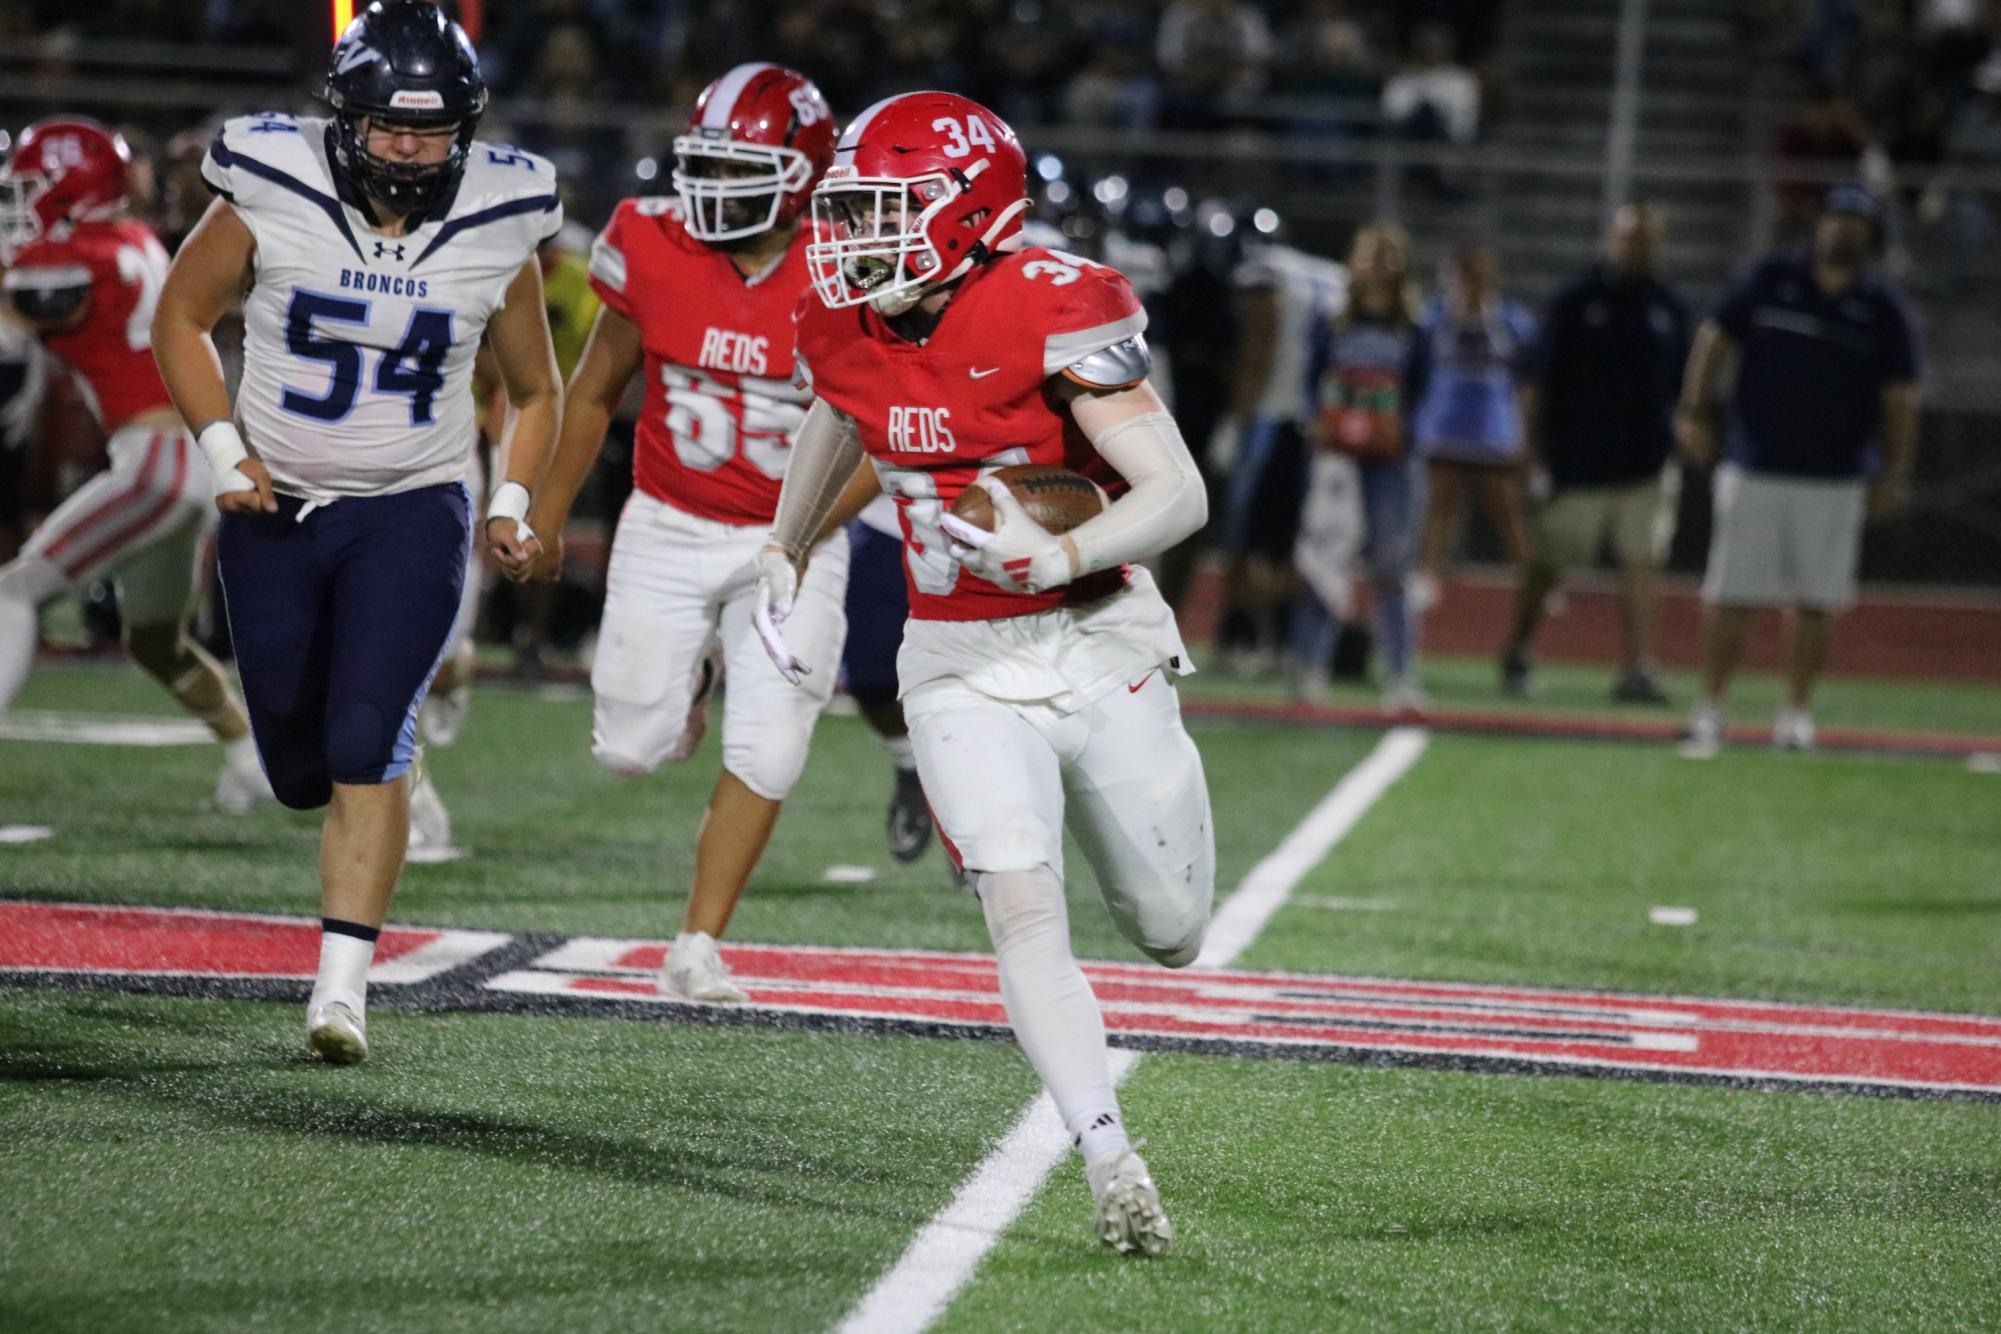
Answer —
(677, 584)
(1004, 777)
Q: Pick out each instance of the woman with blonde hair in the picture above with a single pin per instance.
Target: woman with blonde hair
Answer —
(1358, 386)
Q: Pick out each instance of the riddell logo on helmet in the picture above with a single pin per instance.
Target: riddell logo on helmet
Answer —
(418, 101)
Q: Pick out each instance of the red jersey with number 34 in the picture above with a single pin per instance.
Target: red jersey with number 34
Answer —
(721, 407)
(973, 398)
(111, 351)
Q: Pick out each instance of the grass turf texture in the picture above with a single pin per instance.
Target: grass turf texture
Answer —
(173, 1164)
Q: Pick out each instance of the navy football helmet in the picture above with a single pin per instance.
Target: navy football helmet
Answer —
(404, 62)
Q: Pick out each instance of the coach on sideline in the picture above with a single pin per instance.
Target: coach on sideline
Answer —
(1600, 416)
(1822, 430)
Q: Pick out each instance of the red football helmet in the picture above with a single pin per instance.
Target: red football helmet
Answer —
(924, 186)
(761, 137)
(65, 169)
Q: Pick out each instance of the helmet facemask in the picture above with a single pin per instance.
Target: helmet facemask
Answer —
(879, 249)
(404, 188)
(20, 224)
(731, 191)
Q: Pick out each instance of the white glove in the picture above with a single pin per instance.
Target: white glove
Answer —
(777, 587)
(1019, 553)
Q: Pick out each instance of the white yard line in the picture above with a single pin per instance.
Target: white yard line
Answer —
(941, 1259)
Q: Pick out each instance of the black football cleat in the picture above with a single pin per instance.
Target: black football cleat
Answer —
(909, 818)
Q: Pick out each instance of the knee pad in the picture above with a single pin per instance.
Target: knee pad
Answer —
(1025, 910)
(1180, 952)
(768, 764)
(298, 785)
(631, 740)
(361, 743)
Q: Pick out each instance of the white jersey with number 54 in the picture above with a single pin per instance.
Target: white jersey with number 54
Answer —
(721, 407)
(358, 348)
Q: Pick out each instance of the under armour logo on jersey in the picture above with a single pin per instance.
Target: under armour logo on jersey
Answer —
(360, 55)
(382, 249)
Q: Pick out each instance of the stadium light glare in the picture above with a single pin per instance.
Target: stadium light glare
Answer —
(1049, 167)
(646, 168)
(1265, 220)
(343, 14)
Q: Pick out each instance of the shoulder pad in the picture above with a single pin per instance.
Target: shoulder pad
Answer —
(1119, 366)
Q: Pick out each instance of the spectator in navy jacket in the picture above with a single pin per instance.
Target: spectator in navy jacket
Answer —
(1601, 425)
(1821, 432)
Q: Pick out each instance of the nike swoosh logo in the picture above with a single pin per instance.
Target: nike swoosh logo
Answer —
(981, 375)
(1135, 689)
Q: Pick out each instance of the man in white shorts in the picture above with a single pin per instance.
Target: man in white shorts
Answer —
(1821, 434)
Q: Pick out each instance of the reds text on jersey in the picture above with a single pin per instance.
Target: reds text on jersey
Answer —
(973, 399)
(358, 347)
(111, 351)
(721, 408)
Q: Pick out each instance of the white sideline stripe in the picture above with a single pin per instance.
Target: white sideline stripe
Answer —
(103, 729)
(943, 1256)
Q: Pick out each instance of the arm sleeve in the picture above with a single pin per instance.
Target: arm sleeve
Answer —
(1166, 504)
(824, 455)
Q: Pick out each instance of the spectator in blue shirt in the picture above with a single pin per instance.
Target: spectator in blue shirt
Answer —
(1821, 431)
(1472, 356)
(1600, 415)
(1355, 383)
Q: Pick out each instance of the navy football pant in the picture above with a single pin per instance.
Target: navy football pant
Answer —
(878, 605)
(339, 620)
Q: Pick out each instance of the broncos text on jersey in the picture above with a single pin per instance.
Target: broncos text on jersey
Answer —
(972, 399)
(358, 347)
(721, 407)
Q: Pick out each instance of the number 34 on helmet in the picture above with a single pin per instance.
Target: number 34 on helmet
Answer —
(924, 187)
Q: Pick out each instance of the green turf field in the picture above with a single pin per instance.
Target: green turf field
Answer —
(175, 1164)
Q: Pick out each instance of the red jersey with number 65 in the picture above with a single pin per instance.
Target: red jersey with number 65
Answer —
(124, 266)
(721, 407)
(973, 398)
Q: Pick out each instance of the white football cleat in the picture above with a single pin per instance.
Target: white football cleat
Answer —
(336, 1034)
(430, 822)
(694, 970)
(241, 788)
(443, 714)
(1128, 1216)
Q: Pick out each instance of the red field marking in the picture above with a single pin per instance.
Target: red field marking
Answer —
(1509, 1027)
(1811, 1044)
(169, 942)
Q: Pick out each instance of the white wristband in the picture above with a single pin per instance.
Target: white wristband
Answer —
(510, 501)
(223, 445)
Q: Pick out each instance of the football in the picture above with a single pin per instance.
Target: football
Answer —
(1056, 498)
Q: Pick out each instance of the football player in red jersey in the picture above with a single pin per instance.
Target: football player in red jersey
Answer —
(1035, 669)
(85, 278)
(699, 291)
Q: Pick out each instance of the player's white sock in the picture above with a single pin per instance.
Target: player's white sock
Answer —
(25, 584)
(901, 753)
(1096, 1127)
(346, 950)
(1049, 1003)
